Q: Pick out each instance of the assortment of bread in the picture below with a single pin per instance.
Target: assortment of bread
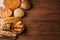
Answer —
(7, 22)
(11, 14)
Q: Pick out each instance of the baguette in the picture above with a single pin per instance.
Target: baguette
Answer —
(7, 33)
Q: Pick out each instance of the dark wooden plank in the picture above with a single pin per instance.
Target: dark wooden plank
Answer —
(46, 10)
(42, 31)
(39, 38)
(42, 23)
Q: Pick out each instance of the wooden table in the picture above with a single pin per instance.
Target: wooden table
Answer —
(42, 21)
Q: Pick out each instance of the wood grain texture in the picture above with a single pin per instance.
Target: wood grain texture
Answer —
(42, 21)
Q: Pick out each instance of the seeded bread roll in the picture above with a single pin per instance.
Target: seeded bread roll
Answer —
(18, 12)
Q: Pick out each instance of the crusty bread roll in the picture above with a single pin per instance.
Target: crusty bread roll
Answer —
(19, 27)
(18, 12)
(25, 4)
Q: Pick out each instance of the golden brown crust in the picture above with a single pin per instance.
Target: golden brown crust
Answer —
(19, 27)
(11, 20)
(12, 4)
(6, 26)
(25, 4)
(5, 12)
(6, 23)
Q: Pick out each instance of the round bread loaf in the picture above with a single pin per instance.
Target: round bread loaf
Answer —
(5, 12)
(18, 12)
(25, 4)
(12, 4)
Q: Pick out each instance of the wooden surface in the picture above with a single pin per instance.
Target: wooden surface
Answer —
(42, 21)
